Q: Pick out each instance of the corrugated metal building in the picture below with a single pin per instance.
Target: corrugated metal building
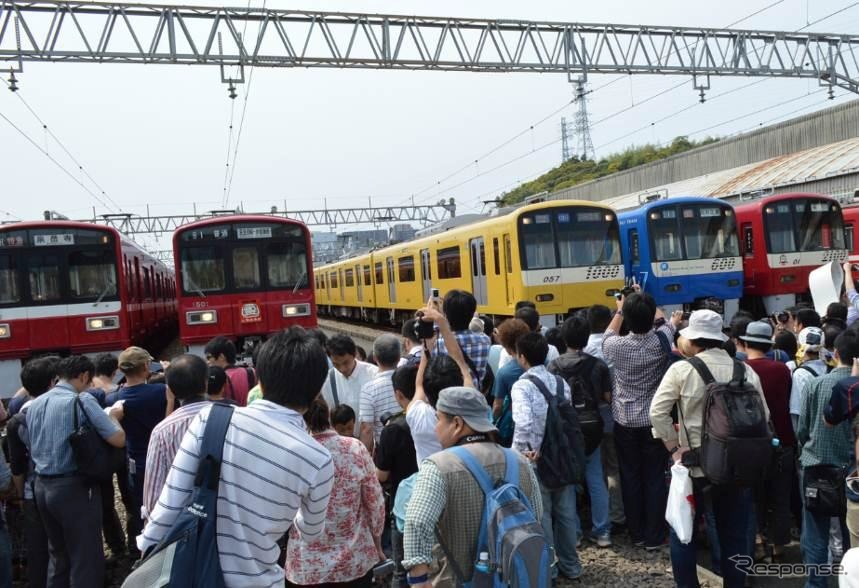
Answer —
(816, 130)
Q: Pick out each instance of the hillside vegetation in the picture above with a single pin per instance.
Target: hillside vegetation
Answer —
(577, 171)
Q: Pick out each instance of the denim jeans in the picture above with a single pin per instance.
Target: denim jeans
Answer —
(601, 524)
(559, 524)
(731, 506)
(643, 462)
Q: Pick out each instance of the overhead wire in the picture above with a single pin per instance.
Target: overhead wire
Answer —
(54, 160)
(66, 150)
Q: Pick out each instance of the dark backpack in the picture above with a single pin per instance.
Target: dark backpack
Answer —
(562, 454)
(667, 350)
(510, 534)
(583, 390)
(187, 556)
(736, 441)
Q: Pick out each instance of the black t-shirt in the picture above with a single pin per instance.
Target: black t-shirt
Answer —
(396, 452)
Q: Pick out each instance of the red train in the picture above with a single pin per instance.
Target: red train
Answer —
(783, 238)
(70, 287)
(244, 277)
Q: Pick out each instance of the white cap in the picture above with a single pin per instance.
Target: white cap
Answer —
(704, 324)
(813, 339)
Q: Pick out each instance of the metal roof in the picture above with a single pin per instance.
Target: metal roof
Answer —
(835, 159)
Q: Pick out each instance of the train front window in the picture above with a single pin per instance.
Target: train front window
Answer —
(587, 237)
(803, 225)
(44, 277)
(92, 274)
(538, 240)
(246, 272)
(709, 231)
(10, 290)
(287, 264)
(202, 270)
(666, 234)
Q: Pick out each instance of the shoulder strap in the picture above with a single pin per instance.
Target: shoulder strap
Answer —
(512, 475)
(664, 342)
(807, 369)
(739, 375)
(212, 447)
(703, 370)
(332, 381)
(252, 380)
(477, 470)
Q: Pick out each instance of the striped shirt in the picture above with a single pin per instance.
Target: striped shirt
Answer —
(377, 400)
(50, 422)
(273, 475)
(163, 446)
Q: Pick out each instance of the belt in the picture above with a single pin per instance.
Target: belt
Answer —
(57, 476)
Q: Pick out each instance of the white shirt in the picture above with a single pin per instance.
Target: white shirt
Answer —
(273, 475)
(594, 346)
(377, 400)
(552, 355)
(349, 389)
(529, 408)
(801, 378)
(415, 351)
(422, 419)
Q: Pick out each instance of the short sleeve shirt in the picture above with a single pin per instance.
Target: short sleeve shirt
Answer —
(422, 419)
(395, 452)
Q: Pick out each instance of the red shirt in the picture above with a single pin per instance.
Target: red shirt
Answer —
(238, 384)
(776, 382)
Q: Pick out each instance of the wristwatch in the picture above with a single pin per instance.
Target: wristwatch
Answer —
(414, 580)
(673, 451)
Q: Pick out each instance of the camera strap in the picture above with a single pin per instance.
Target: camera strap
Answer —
(332, 380)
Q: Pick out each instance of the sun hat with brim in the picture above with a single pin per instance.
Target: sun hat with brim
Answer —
(704, 324)
(467, 403)
(758, 332)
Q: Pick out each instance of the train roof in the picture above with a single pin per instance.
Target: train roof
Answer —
(672, 200)
(760, 202)
(238, 218)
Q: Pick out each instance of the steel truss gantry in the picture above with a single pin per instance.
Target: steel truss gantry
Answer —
(114, 32)
(131, 224)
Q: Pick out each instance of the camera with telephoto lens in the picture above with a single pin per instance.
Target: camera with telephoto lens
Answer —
(624, 293)
(423, 329)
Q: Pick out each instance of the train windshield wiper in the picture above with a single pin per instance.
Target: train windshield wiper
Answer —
(300, 281)
(194, 286)
(103, 294)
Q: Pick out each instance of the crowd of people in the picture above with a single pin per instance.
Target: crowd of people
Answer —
(337, 468)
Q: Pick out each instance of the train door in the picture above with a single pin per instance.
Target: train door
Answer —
(508, 269)
(359, 282)
(635, 257)
(426, 273)
(478, 270)
(392, 284)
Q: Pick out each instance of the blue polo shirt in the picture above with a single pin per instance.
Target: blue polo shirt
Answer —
(144, 407)
(50, 422)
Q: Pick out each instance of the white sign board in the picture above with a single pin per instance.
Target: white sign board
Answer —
(825, 284)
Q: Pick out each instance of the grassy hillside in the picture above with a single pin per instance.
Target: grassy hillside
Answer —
(574, 171)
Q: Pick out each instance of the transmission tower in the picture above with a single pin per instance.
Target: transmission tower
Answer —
(585, 146)
(566, 136)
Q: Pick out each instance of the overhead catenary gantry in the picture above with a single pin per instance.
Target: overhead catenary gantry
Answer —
(108, 32)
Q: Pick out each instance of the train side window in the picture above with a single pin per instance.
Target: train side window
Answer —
(496, 256)
(246, 272)
(508, 253)
(406, 268)
(748, 241)
(10, 290)
(634, 253)
(333, 279)
(449, 264)
(349, 278)
(147, 284)
(380, 273)
(368, 277)
(848, 237)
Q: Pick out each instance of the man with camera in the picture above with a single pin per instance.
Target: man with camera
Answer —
(459, 307)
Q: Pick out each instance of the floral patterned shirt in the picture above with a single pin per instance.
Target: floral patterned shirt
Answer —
(356, 513)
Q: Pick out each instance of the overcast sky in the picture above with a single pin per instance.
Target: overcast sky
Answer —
(158, 135)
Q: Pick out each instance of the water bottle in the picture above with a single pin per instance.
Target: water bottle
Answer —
(482, 572)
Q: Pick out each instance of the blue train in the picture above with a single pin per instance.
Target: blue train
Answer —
(685, 252)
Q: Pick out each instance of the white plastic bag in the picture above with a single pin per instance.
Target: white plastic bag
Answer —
(680, 512)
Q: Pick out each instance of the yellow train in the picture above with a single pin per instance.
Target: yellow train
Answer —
(562, 254)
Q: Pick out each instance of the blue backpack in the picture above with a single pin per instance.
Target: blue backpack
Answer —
(187, 556)
(519, 554)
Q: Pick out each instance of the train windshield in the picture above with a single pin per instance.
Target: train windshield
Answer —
(569, 237)
(57, 265)
(794, 226)
(693, 231)
(243, 257)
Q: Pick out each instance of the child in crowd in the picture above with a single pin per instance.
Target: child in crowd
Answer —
(343, 420)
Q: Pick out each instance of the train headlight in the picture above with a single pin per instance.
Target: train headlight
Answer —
(5, 331)
(201, 317)
(672, 288)
(545, 297)
(102, 323)
(733, 283)
(787, 279)
(293, 310)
